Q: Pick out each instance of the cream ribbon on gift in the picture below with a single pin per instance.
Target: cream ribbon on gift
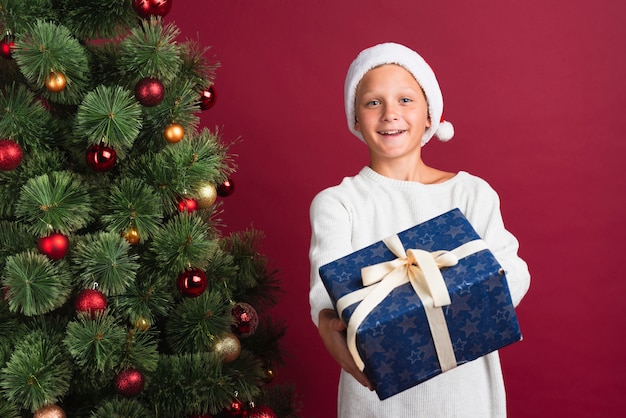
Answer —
(420, 268)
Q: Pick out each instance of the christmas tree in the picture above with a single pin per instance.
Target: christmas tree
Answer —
(120, 295)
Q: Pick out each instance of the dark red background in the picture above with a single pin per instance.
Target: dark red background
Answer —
(535, 90)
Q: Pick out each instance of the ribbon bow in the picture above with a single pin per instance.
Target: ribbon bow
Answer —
(417, 265)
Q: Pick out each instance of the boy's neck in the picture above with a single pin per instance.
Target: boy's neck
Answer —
(416, 171)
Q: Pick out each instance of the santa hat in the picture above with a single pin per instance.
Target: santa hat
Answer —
(392, 53)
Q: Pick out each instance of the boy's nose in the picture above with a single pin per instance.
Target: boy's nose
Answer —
(390, 113)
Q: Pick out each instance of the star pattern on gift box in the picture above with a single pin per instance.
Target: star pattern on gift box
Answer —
(460, 305)
(378, 251)
(489, 334)
(379, 330)
(395, 306)
(501, 315)
(470, 328)
(416, 356)
(465, 287)
(455, 230)
(459, 345)
(426, 239)
(407, 324)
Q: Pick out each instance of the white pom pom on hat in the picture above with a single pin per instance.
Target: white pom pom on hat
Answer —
(393, 53)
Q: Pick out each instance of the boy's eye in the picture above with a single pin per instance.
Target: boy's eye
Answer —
(373, 103)
(405, 100)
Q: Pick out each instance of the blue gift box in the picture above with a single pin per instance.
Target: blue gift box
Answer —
(394, 337)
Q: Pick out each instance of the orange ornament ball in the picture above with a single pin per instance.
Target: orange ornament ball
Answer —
(132, 235)
(55, 82)
(50, 411)
(174, 133)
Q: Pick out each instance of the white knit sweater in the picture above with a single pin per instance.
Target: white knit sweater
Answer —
(369, 207)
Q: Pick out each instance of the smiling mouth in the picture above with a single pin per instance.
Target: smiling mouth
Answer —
(394, 132)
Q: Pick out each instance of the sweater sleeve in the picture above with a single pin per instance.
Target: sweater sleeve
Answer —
(330, 240)
(486, 217)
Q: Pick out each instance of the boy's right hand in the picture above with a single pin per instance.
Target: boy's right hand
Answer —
(333, 332)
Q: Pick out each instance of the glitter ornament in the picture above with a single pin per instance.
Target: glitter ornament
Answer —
(192, 283)
(147, 8)
(90, 300)
(55, 246)
(245, 319)
(207, 98)
(55, 82)
(100, 157)
(149, 91)
(262, 411)
(50, 411)
(174, 133)
(226, 188)
(11, 154)
(129, 383)
(206, 196)
(228, 347)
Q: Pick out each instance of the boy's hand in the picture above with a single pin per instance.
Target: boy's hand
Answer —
(332, 330)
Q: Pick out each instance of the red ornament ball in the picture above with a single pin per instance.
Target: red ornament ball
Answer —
(226, 189)
(147, 8)
(90, 300)
(6, 48)
(10, 154)
(246, 319)
(100, 157)
(187, 204)
(235, 409)
(55, 245)
(149, 91)
(262, 411)
(129, 383)
(192, 282)
(207, 98)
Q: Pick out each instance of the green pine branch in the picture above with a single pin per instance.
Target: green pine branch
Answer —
(104, 258)
(34, 284)
(37, 373)
(47, 48)
(55, 202)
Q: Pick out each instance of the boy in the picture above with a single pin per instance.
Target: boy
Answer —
(393, 103)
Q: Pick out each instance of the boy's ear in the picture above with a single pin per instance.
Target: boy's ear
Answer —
(357, 127)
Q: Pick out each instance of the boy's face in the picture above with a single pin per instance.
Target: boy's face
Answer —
(391, 112)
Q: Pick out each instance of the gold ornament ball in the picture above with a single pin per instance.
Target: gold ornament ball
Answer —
(269, 371)
(206, 196)
(174, 133)
(228, 346)
(55, 82)
(132, 235)
(50, 411)
(142, 324)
